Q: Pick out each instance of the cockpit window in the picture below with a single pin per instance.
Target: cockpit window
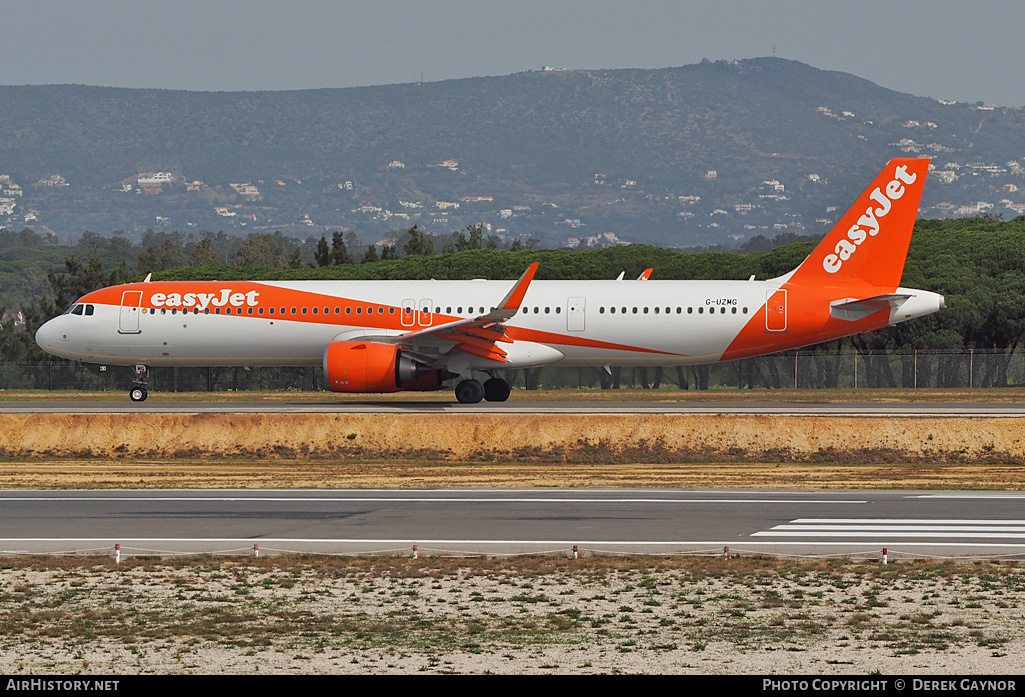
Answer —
(88, 310)
(77, 309)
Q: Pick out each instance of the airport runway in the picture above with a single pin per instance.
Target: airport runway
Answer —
(509, 521)
(873, 409)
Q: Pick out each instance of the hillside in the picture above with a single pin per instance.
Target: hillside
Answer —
(547, 154)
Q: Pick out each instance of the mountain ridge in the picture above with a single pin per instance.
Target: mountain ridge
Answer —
(586, 152)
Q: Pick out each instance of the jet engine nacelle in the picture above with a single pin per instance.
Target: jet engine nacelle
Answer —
(365, 366)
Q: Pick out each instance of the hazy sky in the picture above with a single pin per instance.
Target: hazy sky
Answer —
(950, 49)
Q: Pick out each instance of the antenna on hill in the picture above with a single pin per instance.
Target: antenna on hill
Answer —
(421, 80)
(774, 50)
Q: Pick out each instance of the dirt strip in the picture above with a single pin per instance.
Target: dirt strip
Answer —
(101, 473)
(583, 438)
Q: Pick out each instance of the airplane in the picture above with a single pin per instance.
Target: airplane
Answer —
(388, 336)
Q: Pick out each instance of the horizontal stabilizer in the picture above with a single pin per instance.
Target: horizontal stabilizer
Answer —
(852, 309)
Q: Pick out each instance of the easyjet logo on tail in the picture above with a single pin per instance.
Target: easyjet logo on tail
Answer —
(204, 300)
(868, 224)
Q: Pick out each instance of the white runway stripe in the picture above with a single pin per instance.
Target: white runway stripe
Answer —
(922, 528)
(904, 521)
(898, 528)
(892, 534)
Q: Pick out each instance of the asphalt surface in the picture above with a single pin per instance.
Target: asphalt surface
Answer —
(509, 521)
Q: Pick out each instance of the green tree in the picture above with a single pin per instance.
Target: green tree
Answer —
(204, 254)
(419, 243)
(339, 251)
(323, 255)
(265, 251)
(80, 279)
(370, 256)
(167, 254)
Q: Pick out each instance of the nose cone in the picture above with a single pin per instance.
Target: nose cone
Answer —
(46, 336)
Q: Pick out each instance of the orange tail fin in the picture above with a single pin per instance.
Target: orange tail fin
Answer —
(870, 243)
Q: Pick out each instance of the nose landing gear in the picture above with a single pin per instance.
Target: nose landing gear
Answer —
(138, 393)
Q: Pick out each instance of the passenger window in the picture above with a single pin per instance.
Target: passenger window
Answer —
(745, 310)
(601, 310)
(612, 310)
(293, 310)
(359, 310)
(548, 310)
(635, 310)
(558, 310)
(249, 311)
(316, 310)
(701, 310)
(391, 310)
(348, 310)
(272, 310)
(645, 310)
(734, 310)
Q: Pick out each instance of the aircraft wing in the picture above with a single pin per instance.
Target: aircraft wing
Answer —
(478, 336)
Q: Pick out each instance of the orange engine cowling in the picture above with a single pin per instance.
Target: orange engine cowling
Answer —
(365, 366)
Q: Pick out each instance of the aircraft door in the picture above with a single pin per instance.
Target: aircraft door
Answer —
(128, 321)
(408, 316)
(575, 314)
(776, 310)
(425, 317)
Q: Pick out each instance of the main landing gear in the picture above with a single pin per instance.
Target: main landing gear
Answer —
(472, 391)
(138, 393)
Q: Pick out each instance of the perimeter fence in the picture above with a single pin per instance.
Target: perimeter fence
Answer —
(788, 370)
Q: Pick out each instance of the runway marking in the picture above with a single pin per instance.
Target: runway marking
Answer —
(987, 496)
(905, 521)
(898, 528)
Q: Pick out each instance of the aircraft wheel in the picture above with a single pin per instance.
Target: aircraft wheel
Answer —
(138, 394)
(496, 390)
(469, 392)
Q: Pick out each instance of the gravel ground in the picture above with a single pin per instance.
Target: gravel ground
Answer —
(523, 615)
